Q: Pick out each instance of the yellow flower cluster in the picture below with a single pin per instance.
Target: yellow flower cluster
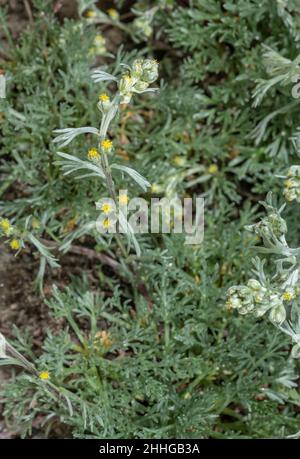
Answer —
(8, 230)
(99, 46)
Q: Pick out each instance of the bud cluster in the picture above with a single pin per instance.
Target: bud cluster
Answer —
(137, 79)
(272, 224)
(291, 190)
(253, 297)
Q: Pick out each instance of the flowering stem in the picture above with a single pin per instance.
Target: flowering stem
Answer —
(106, 120)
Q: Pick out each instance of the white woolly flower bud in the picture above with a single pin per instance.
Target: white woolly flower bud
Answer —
(278, 314)
(150, 70)
(140, 86)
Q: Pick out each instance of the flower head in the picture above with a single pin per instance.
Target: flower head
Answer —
(288, 295)
(15, 244)
(6, 226)
(106, 144)
(113, 14)
(44, 375)
(213, 169)
(91, 14)
(106, 208)
(106, 223)
(103, 97)
(179, 160)
(104, 102)
(93, 154)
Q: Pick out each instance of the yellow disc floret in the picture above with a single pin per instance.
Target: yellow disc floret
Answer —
(106, 144)
(106, 223)
(106, 208)
(288, 296)
(6, 226)
(103, 97)
(213, 169)
(91, 14)
(113, 13)
(93, 154)
(44, 375)
(15, 244)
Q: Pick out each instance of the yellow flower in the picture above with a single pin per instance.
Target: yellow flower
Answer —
(106, 208)
(288, 296)
(106, 223)
(179, 160)
(103, 97)
(106, 144)
(104, 337)
(289, 183)
(93, 154)
(35, 224)
(6, 226)
(44, 375)
(123, 199)
(99, 40)
(15, 244)
(113, 13)
(213, 169)
(156, 188)
(91, 14)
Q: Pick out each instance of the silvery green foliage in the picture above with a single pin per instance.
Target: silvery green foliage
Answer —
(281, 70)
(73, 164)
(67, 135)
(277, 293)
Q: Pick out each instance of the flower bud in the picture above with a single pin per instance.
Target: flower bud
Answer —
(150, 70)
(144, 26)
(254, 284)
(278, 314)
(140, 86)
(104, 103)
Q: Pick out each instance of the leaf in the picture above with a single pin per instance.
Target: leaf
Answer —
(138, 178)
(74, 164)
(67, 135)
(100, 75)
